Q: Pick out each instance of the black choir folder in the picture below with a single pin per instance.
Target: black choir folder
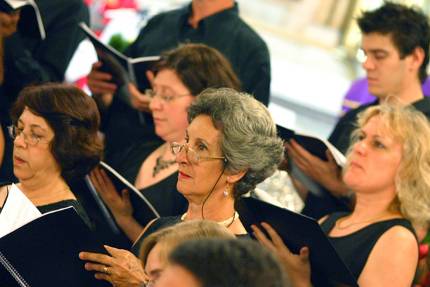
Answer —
(122, 68)
(45, 252)
(315, 146)
(104, 222)
(297, 231)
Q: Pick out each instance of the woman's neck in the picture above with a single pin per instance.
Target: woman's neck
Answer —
(42, 193)
(212, 209)
(370, 206)
(206, 8)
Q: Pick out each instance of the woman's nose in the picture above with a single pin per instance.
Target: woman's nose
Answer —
(19, 140)
(155, 104)
(360, 147)
(181, 156)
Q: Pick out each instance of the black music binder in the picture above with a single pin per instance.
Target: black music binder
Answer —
(297, 231)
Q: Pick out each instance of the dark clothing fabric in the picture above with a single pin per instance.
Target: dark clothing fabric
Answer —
(224, 31)
(355, 248)
(62, 204)
(318, 206)
(164, 222)
(158, 224)
(30, 60)
(164, 196)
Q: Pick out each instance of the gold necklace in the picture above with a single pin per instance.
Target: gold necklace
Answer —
(339, 222)
(227, 222)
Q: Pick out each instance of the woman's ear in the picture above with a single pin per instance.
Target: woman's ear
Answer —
(233, 178)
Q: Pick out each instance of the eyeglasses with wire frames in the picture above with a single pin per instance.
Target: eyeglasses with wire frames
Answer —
(192, 155)
(165, 97)
(32, 139)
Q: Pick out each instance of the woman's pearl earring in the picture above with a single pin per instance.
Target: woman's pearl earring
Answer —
(226, 189)
(226, 193)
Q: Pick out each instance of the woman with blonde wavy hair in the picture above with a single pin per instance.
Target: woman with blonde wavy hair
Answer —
(388, 170)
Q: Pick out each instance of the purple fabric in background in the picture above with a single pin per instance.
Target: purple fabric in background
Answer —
(358, 94)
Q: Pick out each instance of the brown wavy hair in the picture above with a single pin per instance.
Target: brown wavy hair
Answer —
(74, 118)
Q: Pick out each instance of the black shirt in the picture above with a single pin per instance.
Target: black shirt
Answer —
(165, 198)
(224, 31)
(355, 248)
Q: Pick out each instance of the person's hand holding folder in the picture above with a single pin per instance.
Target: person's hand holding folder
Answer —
(297, 267)
(119, 203)
(99, 81)
(327, 173)
(9, 23)
(120, 267)
(138, 100)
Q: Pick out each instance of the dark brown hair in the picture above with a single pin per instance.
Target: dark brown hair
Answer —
(74, 118)
(199, 67)
(408, 27)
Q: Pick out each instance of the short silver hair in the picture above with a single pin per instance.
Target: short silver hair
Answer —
(248, 139)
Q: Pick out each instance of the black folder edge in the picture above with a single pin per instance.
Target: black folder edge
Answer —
(62, 225)
(122, 68)
(297, 231)
(137, 198)
(137, 192)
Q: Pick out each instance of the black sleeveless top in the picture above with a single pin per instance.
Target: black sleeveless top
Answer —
(355, 248)
(165, 198)
(161, 223)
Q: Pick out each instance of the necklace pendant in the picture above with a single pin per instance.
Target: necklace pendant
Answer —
(161, 164)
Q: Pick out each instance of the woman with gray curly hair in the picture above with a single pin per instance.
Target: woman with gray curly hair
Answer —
(230, 146)
(388, 170)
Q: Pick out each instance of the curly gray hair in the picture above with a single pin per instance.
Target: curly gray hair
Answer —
(248, 134)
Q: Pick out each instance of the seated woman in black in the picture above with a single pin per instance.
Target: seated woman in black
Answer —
(55, 132)
(230, 146)
(388, 171)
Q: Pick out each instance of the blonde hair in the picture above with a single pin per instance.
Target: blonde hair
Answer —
(412, 129)
(170, 237)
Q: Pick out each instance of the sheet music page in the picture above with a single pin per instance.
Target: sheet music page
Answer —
(17, 211)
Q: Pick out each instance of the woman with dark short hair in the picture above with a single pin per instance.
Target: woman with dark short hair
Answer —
(55, 132)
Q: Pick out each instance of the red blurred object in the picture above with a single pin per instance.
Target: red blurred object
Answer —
(424, 250)
(117, 4)
(81, 83)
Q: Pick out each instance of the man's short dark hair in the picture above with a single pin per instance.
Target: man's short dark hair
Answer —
(74, 118)
(229, 262)
(407, 26)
